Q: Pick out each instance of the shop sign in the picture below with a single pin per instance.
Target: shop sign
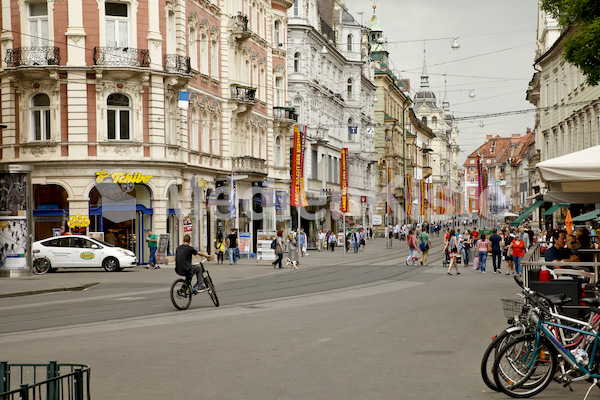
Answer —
(187, 223)
(122, 177)
(198, 181)
(211, 199)
(78, 221)
(161, 249)
(377, 219)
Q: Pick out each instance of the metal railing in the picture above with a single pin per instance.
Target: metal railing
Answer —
(32, 56)
(243, 93)
(288, 113)
(121, 56)
(177, 63)
(60, 381)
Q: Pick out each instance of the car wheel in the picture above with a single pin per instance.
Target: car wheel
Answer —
(111, 264)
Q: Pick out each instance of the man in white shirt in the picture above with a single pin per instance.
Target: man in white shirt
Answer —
(321, 239)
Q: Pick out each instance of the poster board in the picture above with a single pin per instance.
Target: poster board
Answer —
(264, 252)
(161, 249)
(244, 243)
(14, 232)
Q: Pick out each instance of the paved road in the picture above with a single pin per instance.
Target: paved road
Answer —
(374, 329)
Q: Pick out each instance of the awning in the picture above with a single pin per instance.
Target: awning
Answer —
(589, 216)
(528, 211)
(555, 207)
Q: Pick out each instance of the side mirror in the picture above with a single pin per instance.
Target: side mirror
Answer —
(95, 246)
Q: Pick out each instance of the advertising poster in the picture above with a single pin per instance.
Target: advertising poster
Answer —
(13, 221)
(408, 195)
(344, 180)
(187, 223)
(298, 196)
(244, 239)
(161, 249)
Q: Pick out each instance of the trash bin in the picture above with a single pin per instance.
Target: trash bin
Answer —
(294, 255)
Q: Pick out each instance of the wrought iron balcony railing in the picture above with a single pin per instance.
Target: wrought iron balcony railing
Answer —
(243, 93)
(176, 63)
(285, 113)
(121, 57)
(32, 56)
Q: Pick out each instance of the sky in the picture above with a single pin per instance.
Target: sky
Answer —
(495, 59)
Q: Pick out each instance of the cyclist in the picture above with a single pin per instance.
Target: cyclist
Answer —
(183, 262)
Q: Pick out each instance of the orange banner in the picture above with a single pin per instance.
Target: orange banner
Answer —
(344, 180)
(298, 196)
(408, 196)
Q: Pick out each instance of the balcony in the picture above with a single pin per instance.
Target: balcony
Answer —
(285, 115)
(239, 30)
(244, 94)
(427, 172)
(247, 165)
(176, 64)
(121, 57)
(32, 56)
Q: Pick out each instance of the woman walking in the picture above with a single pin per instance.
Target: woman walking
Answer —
(518, 251)
(483, 246)
(278, 249)
(220, 246)
(412, 246)
(451, 245)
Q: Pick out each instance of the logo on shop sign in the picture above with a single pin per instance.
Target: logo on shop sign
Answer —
(122, 177)
(87, 255)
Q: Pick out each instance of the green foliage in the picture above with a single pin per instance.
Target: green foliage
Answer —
(583, 48)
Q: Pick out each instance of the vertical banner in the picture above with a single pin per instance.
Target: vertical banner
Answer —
(408, 196)
(14, 231)
(344, 180)
(440, 200)
(298, 197)
(389, 191)
(429, 194)
(479, 173)
(422, 197)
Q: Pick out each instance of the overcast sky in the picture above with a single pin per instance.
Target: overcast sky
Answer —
(496, 55)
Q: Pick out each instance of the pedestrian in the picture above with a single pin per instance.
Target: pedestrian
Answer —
(331, 240)
(412, 246)
(508, 258)
(496, 245)
(370, 233)
(363, 239)
(483, 246)
(232, 244)
(518, 252)
(278, 249)
(152, 241)
(355, 241)
(220, 248)
(451, 245)
(321, 239)
(466, 246)
(424, 245)
(302, 243)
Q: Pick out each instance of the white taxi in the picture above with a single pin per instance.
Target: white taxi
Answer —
(78, 251)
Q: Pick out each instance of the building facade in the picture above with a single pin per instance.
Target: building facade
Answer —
(145, 114)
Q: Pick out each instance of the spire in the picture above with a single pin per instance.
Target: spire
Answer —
(424, 76)
(445, 102)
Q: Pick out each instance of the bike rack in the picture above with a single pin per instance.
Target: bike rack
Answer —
(61, 381)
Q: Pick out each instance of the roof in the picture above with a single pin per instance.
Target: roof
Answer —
(503, 149)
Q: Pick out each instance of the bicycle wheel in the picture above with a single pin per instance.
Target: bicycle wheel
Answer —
(181, 294)
(489, 356)
(210, 288)
(40, 266)
(523, 369)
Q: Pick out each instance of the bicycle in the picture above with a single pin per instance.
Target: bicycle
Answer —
(182, 290)
(527, 365)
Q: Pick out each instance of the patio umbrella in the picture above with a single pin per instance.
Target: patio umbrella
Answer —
(569, 222)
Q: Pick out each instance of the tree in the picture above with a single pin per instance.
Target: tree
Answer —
(583, 48)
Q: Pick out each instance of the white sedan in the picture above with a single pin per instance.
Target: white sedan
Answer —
(76, 251)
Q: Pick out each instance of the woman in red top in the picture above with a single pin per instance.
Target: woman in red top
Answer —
(518, 251)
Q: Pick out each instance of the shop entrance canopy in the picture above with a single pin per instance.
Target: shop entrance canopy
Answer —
(528, 211)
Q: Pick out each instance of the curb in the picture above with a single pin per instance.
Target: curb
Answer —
(42, 291)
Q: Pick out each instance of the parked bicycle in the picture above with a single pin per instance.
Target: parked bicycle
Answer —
(182, 290)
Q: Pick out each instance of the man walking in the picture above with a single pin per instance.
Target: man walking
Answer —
(232, 243)
(355, 240)
(424, 245)
(321, 239)
(152, 241)
(496, 241)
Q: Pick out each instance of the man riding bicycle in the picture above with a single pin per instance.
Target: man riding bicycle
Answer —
(183, 262)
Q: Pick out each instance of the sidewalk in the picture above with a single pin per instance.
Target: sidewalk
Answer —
(81, 279)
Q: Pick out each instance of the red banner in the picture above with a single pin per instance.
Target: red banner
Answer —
(344, 180)
(298, 197)
(408, 196)
(422, 197)
(389, 191)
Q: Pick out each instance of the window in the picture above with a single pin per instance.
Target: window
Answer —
(118, 117)
(194, 130)
(298, 108)
(296, 62)
(296, 8)
(193, 48)
(351, 135)
(424, 120)
(278, 152)
(204, 54)
(330, 169)
(472, 162)
(117, 25)
(349, 89)
(40, 117)
(349, 42)
(276, 33)
(171, 36)
(278, 92)
(472, 179)
(214, 59)
(38, 24)
(472, 169)
(215, 135)
(434, 122)
(204, 134)
(314, 165)
(472, 191)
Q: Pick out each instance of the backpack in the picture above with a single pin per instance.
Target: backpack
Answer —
(274, 244)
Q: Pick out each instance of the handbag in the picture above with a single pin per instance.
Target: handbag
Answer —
(424, 246)
(476, 263)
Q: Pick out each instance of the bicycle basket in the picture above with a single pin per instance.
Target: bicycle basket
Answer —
(512, 307)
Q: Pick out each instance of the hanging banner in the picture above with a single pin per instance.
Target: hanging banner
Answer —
(344, 180)
(298, 196)
(429, 194)
(389, 190)
(422, 198)
(408, 195)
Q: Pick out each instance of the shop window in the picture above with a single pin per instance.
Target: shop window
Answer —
(118, 117)
(40, 117)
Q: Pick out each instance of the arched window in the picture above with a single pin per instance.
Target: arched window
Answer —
(349, 42)
(40, 117)
(298, 107)
(349, 89)
(276, 33)
(278, 91)
(434, 122)
(171, 123)
(296, 8)
(424, 120)
(194, 130)
(278, 152)
(118, 117)
(204, 135)
(297, 62)
(193, 48)
(204, 54)
(214, 59)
